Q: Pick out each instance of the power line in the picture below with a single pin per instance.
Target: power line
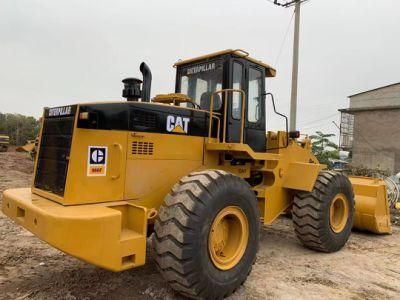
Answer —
(295, 65)
(286, 3)
(321, 119)
(319, 126)
(284, 40)
(315, 126)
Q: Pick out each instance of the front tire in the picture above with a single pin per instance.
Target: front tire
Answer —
(323, 218)
(207, 234)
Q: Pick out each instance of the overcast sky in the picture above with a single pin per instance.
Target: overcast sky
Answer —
(59, 52)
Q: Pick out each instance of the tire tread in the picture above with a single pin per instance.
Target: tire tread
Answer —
(173, 227)
(308, 212)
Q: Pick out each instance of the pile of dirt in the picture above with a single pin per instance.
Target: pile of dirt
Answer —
(367, 268)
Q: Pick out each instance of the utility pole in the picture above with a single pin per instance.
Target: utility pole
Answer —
(17, 135)
(295, 67)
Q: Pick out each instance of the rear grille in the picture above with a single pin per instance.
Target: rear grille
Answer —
(144, 119)
(55, 146)
(142, 148)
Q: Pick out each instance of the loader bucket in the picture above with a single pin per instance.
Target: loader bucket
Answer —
(372, 208)
(28, 147)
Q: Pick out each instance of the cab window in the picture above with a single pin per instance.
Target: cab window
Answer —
(254, 95)
(200, 81)
(237, 85)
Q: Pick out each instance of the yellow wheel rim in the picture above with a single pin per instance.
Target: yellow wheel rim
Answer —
(228, 237)
(339, 213)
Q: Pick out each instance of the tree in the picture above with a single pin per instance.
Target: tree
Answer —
(323, 148)
(19, 128)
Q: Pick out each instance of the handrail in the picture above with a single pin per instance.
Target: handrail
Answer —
(243, 98)
(119, 147)
(286, 120)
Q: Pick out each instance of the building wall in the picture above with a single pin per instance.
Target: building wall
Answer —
(376, 141)
(386, 96)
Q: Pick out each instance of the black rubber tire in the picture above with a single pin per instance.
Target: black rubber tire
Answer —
(311, 213)
(182, 229)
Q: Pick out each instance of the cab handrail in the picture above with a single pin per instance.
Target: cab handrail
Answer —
(227, 91)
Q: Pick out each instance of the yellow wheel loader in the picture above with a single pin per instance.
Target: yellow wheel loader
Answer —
(29, 147)
(4, 143)
(196, 168)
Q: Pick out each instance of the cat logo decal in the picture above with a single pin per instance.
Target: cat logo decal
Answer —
(178, 124)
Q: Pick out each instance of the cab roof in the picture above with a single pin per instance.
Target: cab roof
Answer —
(269, 71)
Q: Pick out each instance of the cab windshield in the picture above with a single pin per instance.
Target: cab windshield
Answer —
(199, 81)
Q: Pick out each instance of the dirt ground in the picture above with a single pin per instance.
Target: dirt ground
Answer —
(367, 268)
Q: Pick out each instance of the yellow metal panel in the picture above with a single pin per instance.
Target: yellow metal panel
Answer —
(149, 181)
(277, 200)
(301, 176)
(81, 188)
(151, 174)
(112, 237)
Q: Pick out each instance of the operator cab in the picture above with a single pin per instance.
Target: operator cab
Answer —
(204, 76)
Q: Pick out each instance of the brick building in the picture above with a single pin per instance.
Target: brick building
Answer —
(370, 128)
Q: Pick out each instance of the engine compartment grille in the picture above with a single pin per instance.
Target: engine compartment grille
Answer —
(53, 156)
(144, 119)
(142, 148)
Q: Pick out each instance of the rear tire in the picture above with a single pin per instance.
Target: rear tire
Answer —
(323, 218)
(189, 254)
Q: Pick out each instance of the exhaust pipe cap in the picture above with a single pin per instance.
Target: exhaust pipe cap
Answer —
(131, 89)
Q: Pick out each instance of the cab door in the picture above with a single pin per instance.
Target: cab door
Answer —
(234, 112)
(255, 108)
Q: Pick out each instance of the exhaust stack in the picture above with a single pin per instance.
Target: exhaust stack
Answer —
(146, 88)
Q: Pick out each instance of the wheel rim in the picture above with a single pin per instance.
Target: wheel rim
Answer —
(339, 212)
(228, 237)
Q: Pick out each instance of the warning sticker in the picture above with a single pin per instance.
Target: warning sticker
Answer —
(97, 161)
